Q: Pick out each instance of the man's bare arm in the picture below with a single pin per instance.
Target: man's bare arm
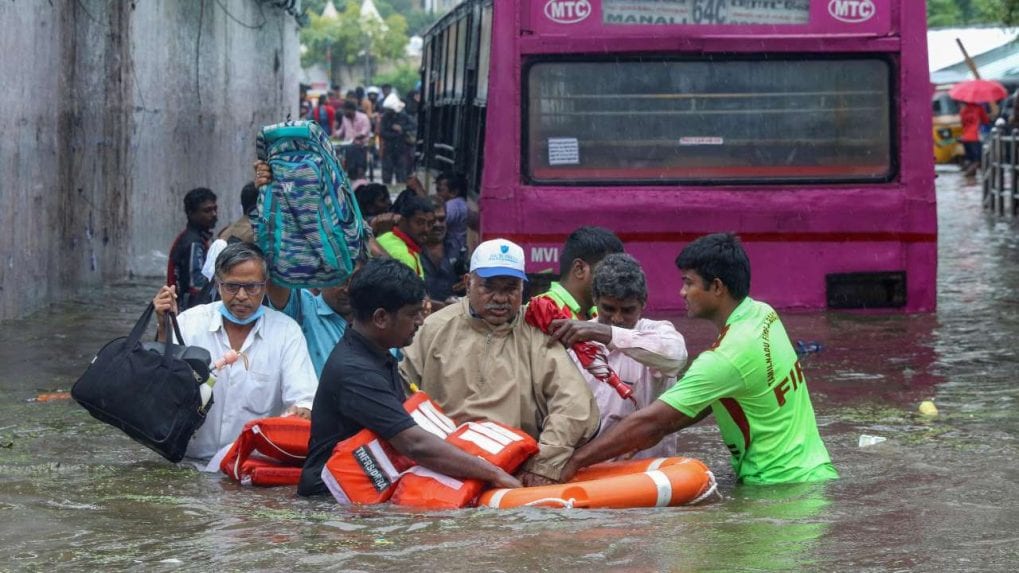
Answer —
(437, 455)
(638, 431)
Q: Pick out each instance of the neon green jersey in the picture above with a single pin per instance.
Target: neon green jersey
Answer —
(563, 298)
(755, 386)
(401, 251)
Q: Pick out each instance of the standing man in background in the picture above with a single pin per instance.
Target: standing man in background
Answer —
(187, 253)
(583, 249)
(241, 229)
(324, 115)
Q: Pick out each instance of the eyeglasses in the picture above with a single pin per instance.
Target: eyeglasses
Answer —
(253, 289)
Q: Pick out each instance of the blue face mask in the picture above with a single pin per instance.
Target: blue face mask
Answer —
(229, 315)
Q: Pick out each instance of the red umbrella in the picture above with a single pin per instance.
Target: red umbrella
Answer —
(978, 91)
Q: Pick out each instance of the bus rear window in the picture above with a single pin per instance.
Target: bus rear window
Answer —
(708, 121)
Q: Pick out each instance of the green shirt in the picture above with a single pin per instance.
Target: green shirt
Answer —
(563, 298)
(401, 251)
(755, 386)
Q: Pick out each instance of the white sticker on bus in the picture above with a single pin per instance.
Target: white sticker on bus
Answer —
(851, 11)
(567, 11)
(701, 141)
(563, 151)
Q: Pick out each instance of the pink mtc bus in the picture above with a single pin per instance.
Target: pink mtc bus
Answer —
(803, 126)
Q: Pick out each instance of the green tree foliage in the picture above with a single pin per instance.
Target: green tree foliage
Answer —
(418, 21)
(403, 78)
(943, 13)
(347, 40)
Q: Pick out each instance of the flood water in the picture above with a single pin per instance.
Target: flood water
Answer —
(939, 495)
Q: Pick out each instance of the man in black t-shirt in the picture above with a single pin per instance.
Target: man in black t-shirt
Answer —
(360, 386)
(187, 253)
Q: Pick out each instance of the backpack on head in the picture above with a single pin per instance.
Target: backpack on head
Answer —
(308, 222)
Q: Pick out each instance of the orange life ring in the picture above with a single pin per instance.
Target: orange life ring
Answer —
(661, 482)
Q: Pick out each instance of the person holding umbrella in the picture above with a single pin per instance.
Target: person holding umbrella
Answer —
(973, 94)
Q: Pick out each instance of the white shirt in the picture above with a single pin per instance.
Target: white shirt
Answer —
(648, 358)
(278, 373)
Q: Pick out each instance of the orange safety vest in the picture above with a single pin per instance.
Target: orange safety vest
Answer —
(365, 469)
(269, 452)
(503, 446)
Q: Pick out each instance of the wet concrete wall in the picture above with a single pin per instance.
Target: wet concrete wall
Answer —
(110, 112)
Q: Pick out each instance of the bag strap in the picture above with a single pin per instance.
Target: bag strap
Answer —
(140, 326)
(171, 319)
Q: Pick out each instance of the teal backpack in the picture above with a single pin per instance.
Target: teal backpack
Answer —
(308, 221)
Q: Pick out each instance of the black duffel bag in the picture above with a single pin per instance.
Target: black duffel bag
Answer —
(149, 390)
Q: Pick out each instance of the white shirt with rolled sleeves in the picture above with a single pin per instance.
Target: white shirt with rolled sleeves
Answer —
(648, 358)
(278, 374)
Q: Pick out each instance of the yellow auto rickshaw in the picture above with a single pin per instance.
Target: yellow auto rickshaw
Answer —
(947, 128)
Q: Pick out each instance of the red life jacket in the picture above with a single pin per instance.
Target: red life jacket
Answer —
(269, 452)
(364, 468)
(502, 445)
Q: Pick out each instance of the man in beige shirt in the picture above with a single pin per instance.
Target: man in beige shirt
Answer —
(479, 360)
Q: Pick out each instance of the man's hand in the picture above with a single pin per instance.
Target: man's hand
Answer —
(384, 222)
(165, 300)
(415, 185)
(263, 175)
(569, 470)
(503, 479)
(570, 332)
(397, 128)
(299, 412)
(534, 480)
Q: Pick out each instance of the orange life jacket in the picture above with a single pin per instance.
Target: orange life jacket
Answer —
(268, 451)
(502, 445)
(365, 468)
(269, 473)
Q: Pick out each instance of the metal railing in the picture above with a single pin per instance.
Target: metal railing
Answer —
(999, 164)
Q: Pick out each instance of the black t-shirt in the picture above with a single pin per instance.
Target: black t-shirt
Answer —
(360, 387)
(187, 256)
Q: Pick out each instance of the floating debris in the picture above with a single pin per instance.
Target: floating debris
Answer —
(808, 347)
(927, 408)
(867, 440)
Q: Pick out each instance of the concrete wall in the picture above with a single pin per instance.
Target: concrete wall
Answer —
(111, 111)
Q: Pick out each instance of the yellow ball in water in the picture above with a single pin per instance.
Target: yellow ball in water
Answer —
(927, 408)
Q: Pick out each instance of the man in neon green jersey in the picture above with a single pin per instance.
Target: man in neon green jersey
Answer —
(750, 379)
(404, 242)
(583, 250)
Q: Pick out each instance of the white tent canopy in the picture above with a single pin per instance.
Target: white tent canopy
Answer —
(942, 51)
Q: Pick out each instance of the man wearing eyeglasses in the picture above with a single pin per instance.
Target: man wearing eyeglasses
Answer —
(274, 375)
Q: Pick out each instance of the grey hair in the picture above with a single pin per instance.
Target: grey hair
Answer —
(619, 276)
(238, 253)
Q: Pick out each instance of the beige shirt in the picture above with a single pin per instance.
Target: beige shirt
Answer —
(509, 374)
(241, 228)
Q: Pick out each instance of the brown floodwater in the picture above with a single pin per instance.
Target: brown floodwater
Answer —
(938, 495)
